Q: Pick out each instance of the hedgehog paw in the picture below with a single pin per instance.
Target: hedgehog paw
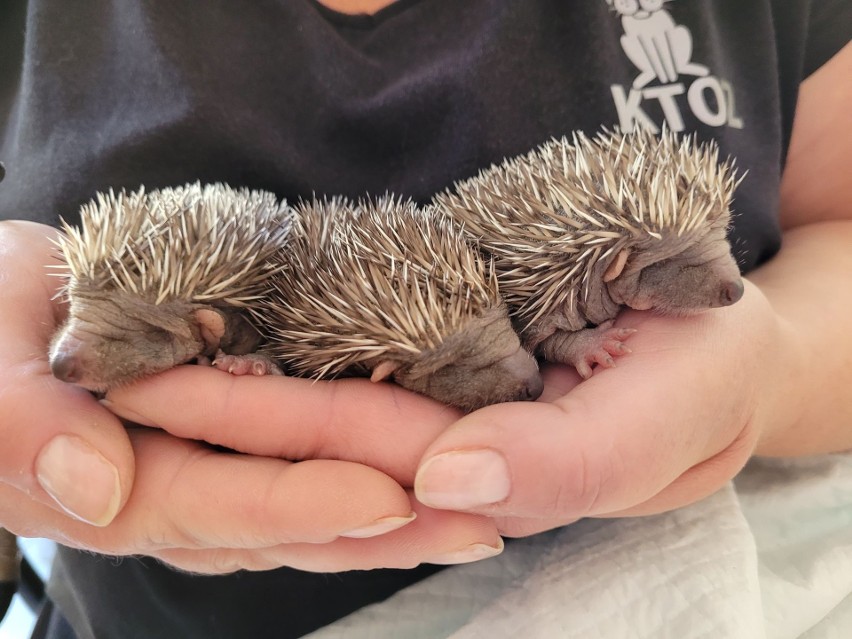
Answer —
(585, 348)
(252, 364)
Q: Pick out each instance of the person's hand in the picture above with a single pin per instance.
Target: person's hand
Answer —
(360, 443)
(68, 464)
(669, 425)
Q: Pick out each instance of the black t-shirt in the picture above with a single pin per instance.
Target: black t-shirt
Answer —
(294, 98)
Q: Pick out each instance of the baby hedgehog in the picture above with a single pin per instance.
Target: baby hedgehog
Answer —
(388, 290)
(577, 229)
(157, 279)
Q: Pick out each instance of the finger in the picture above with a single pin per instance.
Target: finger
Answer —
(558, 380)
(615, 441)
(380, 425)
(59, 445)
(65, 450)
(439, 537)
(188, 495)
(698, 482)
(191, 496)
(514, 527)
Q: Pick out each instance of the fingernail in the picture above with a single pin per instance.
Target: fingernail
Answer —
(80, 479)
(128, 415)
(463, 479)
(380, 527)
(474, 552)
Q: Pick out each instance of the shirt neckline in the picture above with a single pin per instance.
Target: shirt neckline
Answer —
(363, 20)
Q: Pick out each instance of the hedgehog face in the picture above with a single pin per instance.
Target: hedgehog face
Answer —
(703, 275)
(485, 364)
(110, 342)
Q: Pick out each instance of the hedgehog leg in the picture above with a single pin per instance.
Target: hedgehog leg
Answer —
(581, 349)
(251, 364)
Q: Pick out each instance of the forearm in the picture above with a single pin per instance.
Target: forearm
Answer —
(809, 285)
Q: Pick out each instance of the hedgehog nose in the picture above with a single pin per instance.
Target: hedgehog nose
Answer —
(534, 388)
(66, 367)
(732, 292)
(522, 369)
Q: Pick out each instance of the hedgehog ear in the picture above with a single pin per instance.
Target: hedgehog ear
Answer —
(212, 324)
(616, 267)
(383, 370)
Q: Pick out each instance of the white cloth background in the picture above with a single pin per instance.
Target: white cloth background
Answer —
(769, 556)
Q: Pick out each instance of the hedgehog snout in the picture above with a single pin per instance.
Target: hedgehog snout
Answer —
(523, 367)
(65, 367)
(732, 292)
(65, 361)
(533, 388)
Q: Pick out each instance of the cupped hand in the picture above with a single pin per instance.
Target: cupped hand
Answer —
(670, 424)
(70, 470)
(344, 507)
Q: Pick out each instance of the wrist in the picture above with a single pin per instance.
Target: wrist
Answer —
(807, 284)
(784, 391)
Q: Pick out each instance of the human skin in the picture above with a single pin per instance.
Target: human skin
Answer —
(769, 375)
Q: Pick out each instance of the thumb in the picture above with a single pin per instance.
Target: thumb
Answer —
(65, 450)
(613, 442)
(59, 445)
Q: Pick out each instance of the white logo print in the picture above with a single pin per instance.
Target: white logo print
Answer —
(654, 43)
(662, 50)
